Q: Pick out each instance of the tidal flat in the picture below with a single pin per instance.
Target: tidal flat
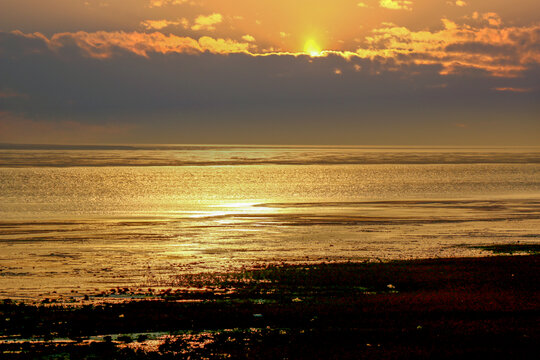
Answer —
(484, 307)
(213, 252)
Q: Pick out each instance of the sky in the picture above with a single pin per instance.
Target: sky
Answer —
(341, 72)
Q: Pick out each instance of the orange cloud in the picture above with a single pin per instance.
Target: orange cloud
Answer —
(222, 46)
(459, 3)
(248, 38)
(161, 3)
(207, 22)
(512, 89)
(102, 45)
(498, 50)
(396, 4)
(158, 24)
(483, 44)
(492, 18)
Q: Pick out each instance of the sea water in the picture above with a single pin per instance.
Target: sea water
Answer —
(89, 218)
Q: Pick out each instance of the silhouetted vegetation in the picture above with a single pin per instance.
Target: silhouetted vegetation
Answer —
(443, 308)
(511, 248)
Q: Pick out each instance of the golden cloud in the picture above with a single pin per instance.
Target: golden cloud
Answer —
(222, 46)
(158, 24)
(207, 22)
(102, 45)
(459, 3)
(161, 3)
(396, 4)
(484, 45)
(498, 50)
(248, 38)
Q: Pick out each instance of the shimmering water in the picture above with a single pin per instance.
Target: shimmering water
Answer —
(96, 217)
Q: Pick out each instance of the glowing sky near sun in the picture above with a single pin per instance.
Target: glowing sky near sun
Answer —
(378, 71)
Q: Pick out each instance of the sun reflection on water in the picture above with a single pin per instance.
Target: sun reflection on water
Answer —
(227, 209)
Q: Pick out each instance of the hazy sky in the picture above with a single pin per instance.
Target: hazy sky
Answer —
(372, 72)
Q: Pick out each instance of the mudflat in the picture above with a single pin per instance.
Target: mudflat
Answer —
(437, 308)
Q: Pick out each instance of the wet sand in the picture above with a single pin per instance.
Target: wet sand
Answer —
(438, 308)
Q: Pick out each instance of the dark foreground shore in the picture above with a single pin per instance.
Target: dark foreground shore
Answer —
(444, 308)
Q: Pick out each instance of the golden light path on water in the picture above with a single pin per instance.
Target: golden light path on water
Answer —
(235, 209)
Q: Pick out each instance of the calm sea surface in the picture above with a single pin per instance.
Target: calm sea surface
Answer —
(98, 217)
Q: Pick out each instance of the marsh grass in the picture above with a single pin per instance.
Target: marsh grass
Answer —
(410, 309)
(510, 248)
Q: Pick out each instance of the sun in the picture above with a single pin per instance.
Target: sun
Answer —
(312, 48)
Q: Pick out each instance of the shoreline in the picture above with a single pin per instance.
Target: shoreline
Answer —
(185, 280)
(421, 308)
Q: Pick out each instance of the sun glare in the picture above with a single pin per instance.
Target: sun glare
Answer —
(312, 48)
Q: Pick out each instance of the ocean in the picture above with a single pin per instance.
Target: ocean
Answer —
(81, 218)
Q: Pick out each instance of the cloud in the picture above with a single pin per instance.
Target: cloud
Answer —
(500, 51)
(512, 89)
(99, 4)
(362, 5)
(162, 3)
(207, 22)
(104, 45)
(482, 44)
(474, 46)
(158, 24)
(489, 18)
(459, 3)
(173, 94)
(248, 38)
(396, 4)
(492, 18)
(222, 46)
